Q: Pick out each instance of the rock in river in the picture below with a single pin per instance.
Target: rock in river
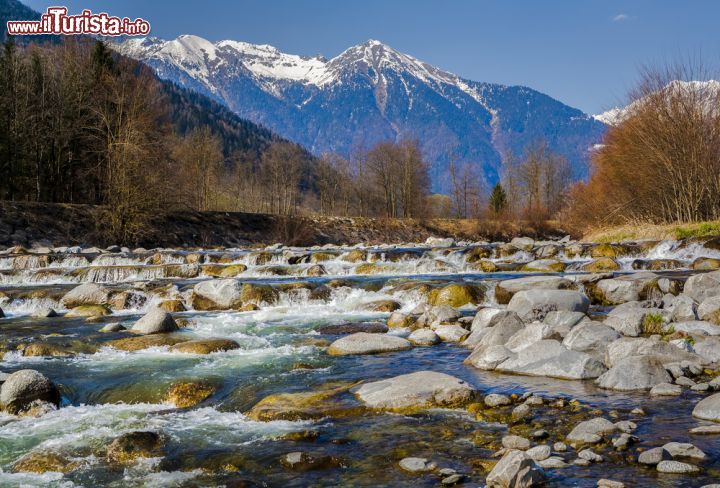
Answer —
(86, 294)
(132, 445)
(205, 346)
(422, 389)
(535, 304)
(708, 408)
(635, 373)
(550, 358)
(22, 388)
(515, 470)
(365, 343)
(156, 321)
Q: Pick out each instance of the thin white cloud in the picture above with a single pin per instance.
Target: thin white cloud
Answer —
(621, 18)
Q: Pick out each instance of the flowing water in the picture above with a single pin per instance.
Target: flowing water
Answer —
(107, 392)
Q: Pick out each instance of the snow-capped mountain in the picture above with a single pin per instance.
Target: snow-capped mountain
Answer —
(708, 91)
(369, 93)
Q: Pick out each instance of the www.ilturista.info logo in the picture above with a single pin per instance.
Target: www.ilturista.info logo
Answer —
(57, 21)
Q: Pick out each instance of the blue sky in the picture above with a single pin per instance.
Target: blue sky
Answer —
(585, 53)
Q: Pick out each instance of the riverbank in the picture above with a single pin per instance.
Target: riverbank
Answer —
(49, 224)
(630, 232)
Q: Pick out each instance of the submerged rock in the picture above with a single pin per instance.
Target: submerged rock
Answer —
(301, 461)
(23, 388)
(89, 311)
(304, 405)
(40, 462)
(365, 343)
(422, 389)
(133, 445)
(186, 394)
(143, 342)
(205, 346)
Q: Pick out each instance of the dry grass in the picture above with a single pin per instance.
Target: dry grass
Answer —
(631, 232)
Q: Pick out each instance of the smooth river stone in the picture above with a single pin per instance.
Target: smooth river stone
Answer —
(416, 390)
(366, 343)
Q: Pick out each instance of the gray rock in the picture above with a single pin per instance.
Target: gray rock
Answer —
(219, 294)
(554, 462)
(505, 326)
(676, 467)
(624, 440)
(536, 303)
(86, 294)
(563, 321)
(22, 388)
(515, 442)
(708, 408)
(515, 470)
(629, 346)
(529, 335)
(367, 343)
(681, 308)
(113, 327)
(630, 322)
(451, 333)
(41, 313)
(550, 358)
(591, 456)
(497, 400)
(423, 337)
(539, 453)
(483, 317)
(684, 450)
(626, 426)
(453, 479)
(560, 447)
(706, 430)
(156, 321)
(625, 288)
(417, 465)
(696, 327)
(634, 373)
(665, 389)
(522, 243)
(702, 286)
(420, 389)
(488, 358)
(709, 310)
(606, 483)
(590, 337)
(590, 431)
(653, 456)
(520, 412)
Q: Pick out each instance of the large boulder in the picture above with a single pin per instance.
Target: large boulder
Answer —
(708, 408)
(702, 286)
(366, 343)
(630, 346)
(708, 349)
(709, 310)
(490, 357)
(516, 469)
(456, 295)
(217, 295)
(635, 373)
(529, 335)
(634, 321)
(550, 358)
(22, 389)
(544, 266)
(422, 389)
(627, 288)
(505, 290)
(535, 304)
(86, 294)
(156, 321)
(590, 337)
(504, 326)
(483, 318)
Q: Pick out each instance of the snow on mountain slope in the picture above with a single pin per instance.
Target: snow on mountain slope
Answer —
(371, 92)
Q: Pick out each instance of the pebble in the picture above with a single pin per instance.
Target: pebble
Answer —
(515, 442)
(638, 411)
(539, 453)
(623, 441)
(605, 483)
(540, 434)
(520, 412)
(684, 381)
(497, 400)
(684, 449)
(700, 387)
(553, 462)
(589, 455)
(665, 389)
(452, 479)
(560, 447)
(581, 462)
(626, 426)
(676, 467)
(417, 465)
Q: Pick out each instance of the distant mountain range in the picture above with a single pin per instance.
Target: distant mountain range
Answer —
(370, 93)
